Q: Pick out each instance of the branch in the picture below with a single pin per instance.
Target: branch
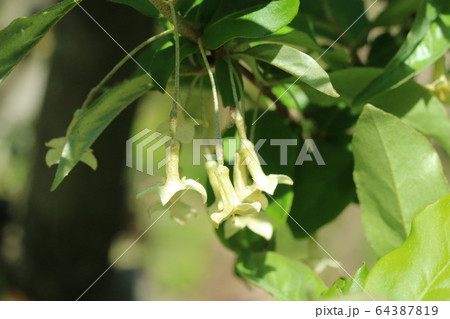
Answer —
(283, 110)
(184, 27)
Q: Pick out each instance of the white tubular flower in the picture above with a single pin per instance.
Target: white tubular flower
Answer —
(229, 203)
(245, 192)
(173, 184)
(256, 224)
(266, 183)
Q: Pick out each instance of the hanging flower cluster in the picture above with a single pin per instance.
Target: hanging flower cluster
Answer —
(238, 203)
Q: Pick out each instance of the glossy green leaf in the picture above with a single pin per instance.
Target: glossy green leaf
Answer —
(428, 40)
(296, 63)
(420, 268)
(163, 62)
(321, 192)
(143, 6)
(282, 277)
(89, 123)
(397, 174)
(248, 20)
(17, 39)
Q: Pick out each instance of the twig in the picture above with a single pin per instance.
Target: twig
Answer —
(184, 27)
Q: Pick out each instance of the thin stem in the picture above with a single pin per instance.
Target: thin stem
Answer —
(219, 145)
(174, 112)
(93, 93)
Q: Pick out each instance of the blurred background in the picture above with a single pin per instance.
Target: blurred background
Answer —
(54, 245)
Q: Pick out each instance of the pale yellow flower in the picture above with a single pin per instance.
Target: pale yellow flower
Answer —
(266, 183)
(172, 183)
(245, 192)
(227, 202)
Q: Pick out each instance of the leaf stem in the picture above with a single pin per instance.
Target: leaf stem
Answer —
(93, 93)
(219, 144)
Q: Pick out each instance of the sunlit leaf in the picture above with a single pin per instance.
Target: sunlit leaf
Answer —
(250, 19)
(420, 268)
(397, 174)
(296, 63)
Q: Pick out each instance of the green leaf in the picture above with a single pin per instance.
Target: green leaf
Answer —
(397, 174)
(17, 39)
(248, 20)
(89, 123)
(223, 80)
(428, 40)
(282, 277)
(163, 62)
(420, 268)
(321, 192)
(416, 106)
(143, 6)
(294, 62)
